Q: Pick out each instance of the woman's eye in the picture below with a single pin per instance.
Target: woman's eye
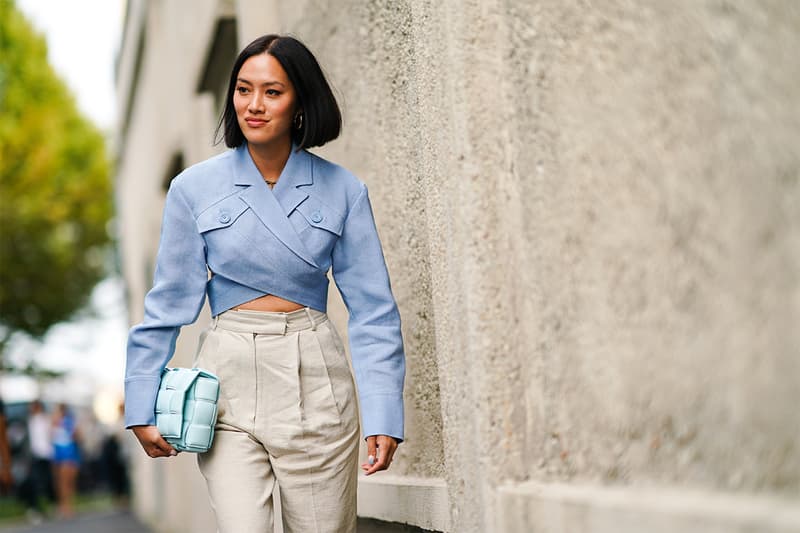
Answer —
(273, 92)
(242, 90)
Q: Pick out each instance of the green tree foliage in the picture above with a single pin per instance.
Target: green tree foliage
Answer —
(55, 191)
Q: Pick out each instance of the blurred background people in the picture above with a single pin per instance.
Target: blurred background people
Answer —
(38, 485)
(92, 471)
(6, 481)
(115, 456)
(66, 459)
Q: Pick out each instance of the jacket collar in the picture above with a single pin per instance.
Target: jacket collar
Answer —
(273, 206)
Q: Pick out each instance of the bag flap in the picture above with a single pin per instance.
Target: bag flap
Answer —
(179, 379)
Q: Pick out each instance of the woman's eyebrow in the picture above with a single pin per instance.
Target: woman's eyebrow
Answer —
(242, 80)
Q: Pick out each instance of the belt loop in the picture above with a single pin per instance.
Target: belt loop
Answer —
(216, 319)
(311, 319)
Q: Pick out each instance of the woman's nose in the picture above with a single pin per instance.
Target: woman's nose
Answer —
(256, 103)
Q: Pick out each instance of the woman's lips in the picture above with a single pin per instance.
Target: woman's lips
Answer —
(255, 122)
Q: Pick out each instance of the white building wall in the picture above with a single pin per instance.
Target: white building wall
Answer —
(168, 117)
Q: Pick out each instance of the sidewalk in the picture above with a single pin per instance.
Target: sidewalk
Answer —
(124, 522)
(97, 522)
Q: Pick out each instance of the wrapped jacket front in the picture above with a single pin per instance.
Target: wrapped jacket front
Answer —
(227, 235)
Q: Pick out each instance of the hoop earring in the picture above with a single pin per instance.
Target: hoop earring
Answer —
(298, 121)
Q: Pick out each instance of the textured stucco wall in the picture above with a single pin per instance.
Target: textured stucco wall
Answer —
(590, 216)
(659, 171)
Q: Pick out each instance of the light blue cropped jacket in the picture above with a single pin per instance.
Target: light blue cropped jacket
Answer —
(220, 217)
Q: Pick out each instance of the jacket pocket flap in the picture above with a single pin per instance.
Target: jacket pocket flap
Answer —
(321, 216)
(222, 214)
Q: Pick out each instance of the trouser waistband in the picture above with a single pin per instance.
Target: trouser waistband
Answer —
(269, 322)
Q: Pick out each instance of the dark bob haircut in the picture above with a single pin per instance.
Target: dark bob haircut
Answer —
(322, 120)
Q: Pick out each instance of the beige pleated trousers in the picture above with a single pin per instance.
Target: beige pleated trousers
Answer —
(287, 415)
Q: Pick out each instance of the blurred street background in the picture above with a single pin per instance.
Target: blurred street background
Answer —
(590, 213)
(62, 304)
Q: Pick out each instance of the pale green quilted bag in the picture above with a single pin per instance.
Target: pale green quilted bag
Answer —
(186, 408)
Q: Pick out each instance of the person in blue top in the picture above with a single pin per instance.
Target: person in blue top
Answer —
(66, 459)
(256, 230)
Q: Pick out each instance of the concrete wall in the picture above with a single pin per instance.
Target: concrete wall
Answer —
(590, 216)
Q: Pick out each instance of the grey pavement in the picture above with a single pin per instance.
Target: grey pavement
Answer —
(125, 522)
(98, 522)
(367, 525)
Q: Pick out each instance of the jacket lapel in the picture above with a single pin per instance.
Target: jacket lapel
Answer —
(297, 173)
(273, 206)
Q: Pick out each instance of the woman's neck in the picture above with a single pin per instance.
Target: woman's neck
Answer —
(270, 158)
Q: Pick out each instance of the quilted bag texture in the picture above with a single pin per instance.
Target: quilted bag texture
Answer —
(186, 408)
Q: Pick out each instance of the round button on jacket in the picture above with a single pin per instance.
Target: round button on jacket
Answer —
(224, 218)
(316, 216)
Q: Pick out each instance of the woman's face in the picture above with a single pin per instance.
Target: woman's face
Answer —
(265, 101)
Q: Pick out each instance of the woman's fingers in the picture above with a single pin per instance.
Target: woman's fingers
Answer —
(165, 447)
(382, 448)
(391, 447)
(371, 453)
(152, 442)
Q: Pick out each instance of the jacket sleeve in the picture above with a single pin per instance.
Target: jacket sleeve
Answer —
(177, 295)
(376, 342)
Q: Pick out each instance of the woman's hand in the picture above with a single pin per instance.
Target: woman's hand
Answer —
(153, 443)
(381, 449)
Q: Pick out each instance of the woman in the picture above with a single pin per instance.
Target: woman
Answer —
(66, 459)
(257, 229)
(39, 484)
